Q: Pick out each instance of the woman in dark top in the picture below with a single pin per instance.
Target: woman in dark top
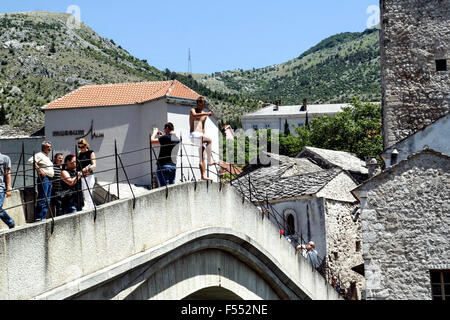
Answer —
(69, 185)
(87, 164)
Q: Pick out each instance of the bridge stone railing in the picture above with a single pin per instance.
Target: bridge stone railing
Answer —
(33, 261)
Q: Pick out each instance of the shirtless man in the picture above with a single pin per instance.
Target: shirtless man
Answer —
(197, 120)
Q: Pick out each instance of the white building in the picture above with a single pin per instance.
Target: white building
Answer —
(126, 114)
(275, 117)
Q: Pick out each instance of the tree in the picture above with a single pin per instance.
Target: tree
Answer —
(358, 130)
(286, 128)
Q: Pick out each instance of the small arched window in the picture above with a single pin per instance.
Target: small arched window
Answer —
(290, 225)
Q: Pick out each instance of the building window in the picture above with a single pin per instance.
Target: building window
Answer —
(358, 246)
(267, 126)
(290, 225)
(300, 125)
(255, 127)
(441, 65)
(440, 284)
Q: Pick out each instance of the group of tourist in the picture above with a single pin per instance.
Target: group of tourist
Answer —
(59, 180)
(64, 184)
(67, 185)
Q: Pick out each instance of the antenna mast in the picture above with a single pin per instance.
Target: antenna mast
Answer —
(189, 62)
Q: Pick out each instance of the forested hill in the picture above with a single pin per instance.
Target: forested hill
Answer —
(334, 70)
(42, 58)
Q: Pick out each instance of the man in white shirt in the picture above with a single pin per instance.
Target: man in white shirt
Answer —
(310, 253)
(44, 167)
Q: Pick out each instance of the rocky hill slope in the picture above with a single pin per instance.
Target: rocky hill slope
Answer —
(42, 58)
(333, 71)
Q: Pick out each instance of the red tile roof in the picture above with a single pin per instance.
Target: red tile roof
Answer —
(227, 168)
(122, 94)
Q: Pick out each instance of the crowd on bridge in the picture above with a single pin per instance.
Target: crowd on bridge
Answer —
(64, 184)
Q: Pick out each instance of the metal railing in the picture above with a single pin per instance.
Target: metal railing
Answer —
(261, 201)
(29, 171)
(254, 195)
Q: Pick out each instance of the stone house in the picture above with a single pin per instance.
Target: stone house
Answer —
(405, 213)
(405, 209)
(312, 204)
(431, 136)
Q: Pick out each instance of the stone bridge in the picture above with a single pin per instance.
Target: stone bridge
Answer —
(202, 242)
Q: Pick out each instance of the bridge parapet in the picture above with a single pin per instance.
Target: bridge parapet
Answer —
(82, 255)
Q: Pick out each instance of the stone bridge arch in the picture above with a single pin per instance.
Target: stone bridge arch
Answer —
(164, 248)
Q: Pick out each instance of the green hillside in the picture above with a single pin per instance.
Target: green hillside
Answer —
(336, 69)
(42, 59)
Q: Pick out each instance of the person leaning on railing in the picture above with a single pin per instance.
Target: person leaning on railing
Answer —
(5, 188)
(44, 168)
(70, 182)
(310, 253)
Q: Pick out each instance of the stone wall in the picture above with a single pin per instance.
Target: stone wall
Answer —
(406, 227)
(342, 237)
(414, 35)
(339, 188)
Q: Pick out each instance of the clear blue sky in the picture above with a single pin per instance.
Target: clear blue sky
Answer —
(222, 35)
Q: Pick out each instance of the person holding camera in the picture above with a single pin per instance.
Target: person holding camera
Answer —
(71, 197)
(167, 160)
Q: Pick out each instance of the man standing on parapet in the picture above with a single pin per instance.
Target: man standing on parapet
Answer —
(197, 120)
(5, 188)
(44, 168)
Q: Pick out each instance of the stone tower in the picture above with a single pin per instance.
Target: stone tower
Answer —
(415, 44)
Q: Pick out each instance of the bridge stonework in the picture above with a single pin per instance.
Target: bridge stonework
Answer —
(201, 238)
